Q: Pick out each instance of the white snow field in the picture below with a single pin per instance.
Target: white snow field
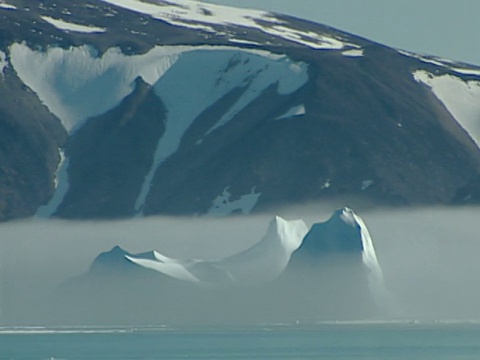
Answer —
(198, 15)
(68, 26)
(261, 263)
(461, 98)
(76, 83)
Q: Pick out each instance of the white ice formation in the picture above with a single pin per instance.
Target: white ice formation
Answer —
(263, 262)
(369, 256)
(268, 259)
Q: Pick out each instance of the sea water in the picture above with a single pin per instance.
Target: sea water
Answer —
(322, 341)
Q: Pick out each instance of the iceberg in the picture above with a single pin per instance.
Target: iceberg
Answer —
(262, 263)
(337, 270)
(329, 272)
(344, 233)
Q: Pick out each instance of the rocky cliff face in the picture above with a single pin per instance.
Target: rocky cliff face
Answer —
(113, 110)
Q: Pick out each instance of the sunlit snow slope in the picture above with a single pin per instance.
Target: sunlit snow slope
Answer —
(461, 97)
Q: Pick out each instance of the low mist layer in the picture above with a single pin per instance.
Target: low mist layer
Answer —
(429, 259)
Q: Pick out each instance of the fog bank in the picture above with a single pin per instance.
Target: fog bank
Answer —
(429, 259)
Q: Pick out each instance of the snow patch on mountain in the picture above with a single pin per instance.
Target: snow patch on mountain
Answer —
(76, 84)
(246, 42)
(460, 97)
(288, 76)
(201, 16)
(366, 184)
(4, 5)
(293, 112)
(261, 263)
(3, 62)
(465, 71)
(61, 188)
(68, 26)
(213, 73)
(307, 38)
(222, 205)
(353, 53)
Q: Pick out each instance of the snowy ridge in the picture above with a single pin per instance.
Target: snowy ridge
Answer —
(68, 26)
(461, 98)
(261, 263)
(202, 16)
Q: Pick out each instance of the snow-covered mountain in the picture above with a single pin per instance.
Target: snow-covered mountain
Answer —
(120, 108)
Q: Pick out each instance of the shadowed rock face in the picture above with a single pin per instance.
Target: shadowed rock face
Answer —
(110, 156)
(29, 140)
(367, 131)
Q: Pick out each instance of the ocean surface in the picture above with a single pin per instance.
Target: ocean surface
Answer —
(322, 341)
